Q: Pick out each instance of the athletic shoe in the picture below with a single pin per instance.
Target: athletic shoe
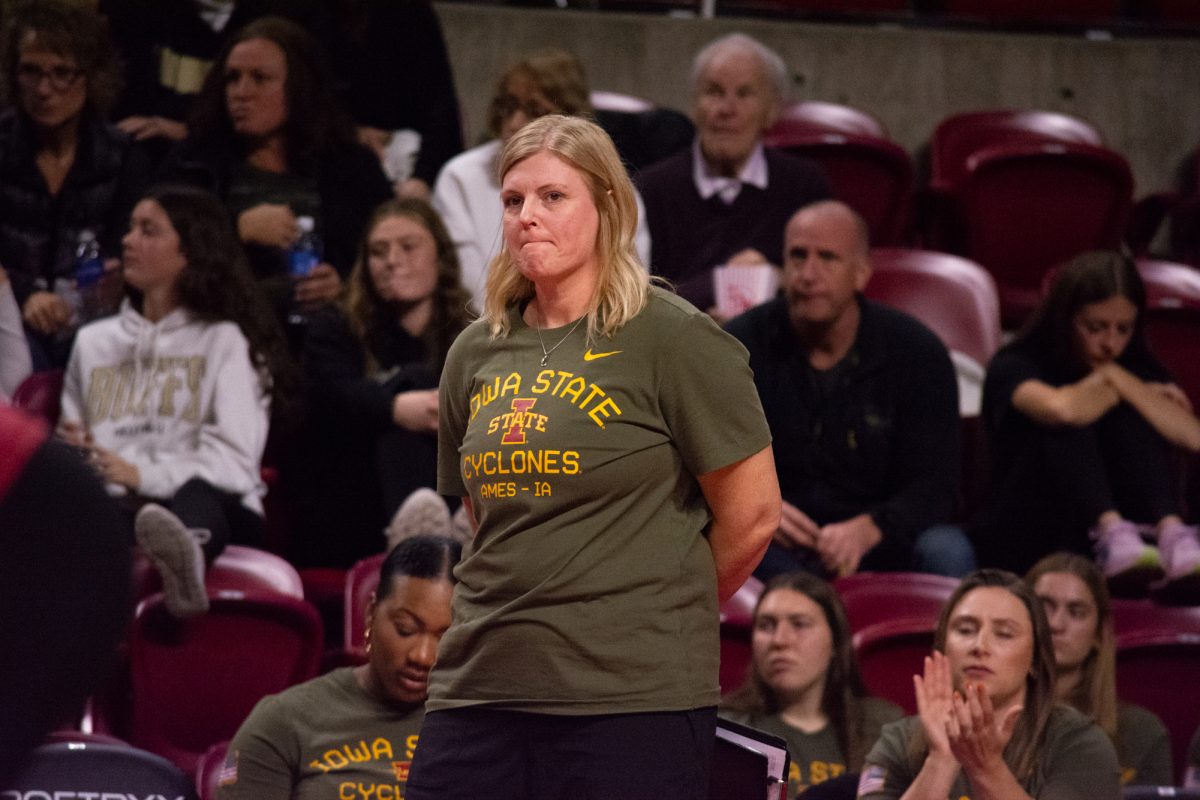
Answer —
(1180, 550)
(1128, 562)
(423, 511)
(174, 549)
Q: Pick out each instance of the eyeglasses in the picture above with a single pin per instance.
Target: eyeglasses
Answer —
(30, 76)
(509, 104)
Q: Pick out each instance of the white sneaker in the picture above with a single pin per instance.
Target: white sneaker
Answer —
(423, 511)
(174, 549)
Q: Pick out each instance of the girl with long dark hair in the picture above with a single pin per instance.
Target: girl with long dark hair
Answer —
(1081, 422)
(170, 399)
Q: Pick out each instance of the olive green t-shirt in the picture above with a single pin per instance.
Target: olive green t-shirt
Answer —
(1143, 748)
(590, 587)
(326, 739)
(1077, 762)
(817, 757)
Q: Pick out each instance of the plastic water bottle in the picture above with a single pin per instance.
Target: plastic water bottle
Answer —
(303, 257)
(89, 269)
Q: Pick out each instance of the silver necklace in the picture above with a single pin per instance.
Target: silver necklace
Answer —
(537, 322)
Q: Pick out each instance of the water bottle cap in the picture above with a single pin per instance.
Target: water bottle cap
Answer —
(305, 223)
(87, 235)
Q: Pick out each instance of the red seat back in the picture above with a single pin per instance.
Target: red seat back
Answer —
(194, 681)
(1030, 207)
(874, 597)
(809, 117)
(238, 569)
(737, 628)
(890, 652)
(953, 297)
(1156, 669)
(41, 394)
(361, 582)
(960, 136)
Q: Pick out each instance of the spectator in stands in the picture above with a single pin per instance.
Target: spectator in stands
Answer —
(63, 170)
(583, 656)
(373, 711)
(726, 200)
(411, 119)
(268, 138)
(168, 47)
(64, 585)
(15, 363)
(373, 366)
(1075, 599)
(1081, 420)
(170, 398)
(549, 81)
(987, 721)
(863, 408)
(804, 684)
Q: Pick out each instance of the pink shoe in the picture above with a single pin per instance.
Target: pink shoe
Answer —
(1128, 562)
(1180, 548)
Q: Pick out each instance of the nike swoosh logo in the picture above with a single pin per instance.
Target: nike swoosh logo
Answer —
(590, 356)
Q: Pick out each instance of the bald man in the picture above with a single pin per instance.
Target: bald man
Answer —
(863, 408)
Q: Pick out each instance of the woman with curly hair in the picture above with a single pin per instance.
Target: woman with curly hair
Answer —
(63, 170)
(373, 365)
(170, 399)
(804, 684)
(268, 138)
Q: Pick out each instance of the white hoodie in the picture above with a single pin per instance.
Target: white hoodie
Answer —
(178, 399)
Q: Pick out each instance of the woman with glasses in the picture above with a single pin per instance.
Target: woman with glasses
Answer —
(549, 81)
(63, 170)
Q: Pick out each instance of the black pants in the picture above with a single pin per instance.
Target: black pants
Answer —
(512, 755)
(199, 504)
(1065, 477)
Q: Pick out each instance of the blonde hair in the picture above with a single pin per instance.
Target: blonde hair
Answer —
(623, 285)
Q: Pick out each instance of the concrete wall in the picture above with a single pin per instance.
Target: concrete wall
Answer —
(1141, 93)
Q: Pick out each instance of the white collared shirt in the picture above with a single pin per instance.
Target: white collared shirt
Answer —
(753, 172)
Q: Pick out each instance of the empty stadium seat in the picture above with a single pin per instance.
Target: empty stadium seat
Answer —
(874, 597)
(1028, 207)
(954, 297)
(890, 652)
(808, 117)
(194, 681)
(1156, 668)
(960, 136)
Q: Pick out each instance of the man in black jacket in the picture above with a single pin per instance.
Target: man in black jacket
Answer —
(863, 408)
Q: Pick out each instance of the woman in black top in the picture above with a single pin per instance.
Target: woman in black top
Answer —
(1081, 421)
